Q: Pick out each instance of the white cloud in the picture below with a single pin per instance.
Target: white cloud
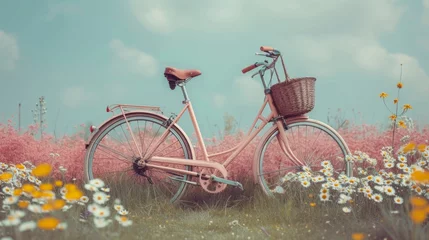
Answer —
(327, 38)
(9, 51)
(219, 100)
(60, 9)
(139, 61)
(250, 92)
(74, 96)
(425, 17)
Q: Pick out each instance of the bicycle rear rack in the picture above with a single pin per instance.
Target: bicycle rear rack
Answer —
(127, 107)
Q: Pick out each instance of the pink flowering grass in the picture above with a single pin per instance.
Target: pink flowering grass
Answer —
(69, 151)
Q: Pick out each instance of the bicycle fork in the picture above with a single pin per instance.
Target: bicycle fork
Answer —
(284, 145)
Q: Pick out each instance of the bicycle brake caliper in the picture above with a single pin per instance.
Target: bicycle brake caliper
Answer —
(170, 120)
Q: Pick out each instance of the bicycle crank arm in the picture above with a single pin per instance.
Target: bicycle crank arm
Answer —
(185, 181)
(229, 182)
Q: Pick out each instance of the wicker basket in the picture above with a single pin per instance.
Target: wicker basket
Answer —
(294, 96)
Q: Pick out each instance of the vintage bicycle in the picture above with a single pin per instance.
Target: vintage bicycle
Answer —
(144, 145)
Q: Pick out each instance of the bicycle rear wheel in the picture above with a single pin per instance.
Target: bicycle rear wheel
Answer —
(112, 156)
(312, 142)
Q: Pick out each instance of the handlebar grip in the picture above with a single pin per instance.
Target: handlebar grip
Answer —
(266, 48)
(249, 68)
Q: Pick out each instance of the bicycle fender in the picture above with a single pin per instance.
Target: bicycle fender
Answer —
(115, 117)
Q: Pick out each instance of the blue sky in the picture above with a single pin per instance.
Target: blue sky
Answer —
(85, 55)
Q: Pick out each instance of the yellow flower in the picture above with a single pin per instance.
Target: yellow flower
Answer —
(48, 223)
(47, 207)
(421, 147)
(23, 204)
(383, 95)
(42, 170)
(312, 204)
(58, 183)
(420, 177)
(399, 85)
(46, 187)
(73, 195)
(392, 117)
(407, 106)
(58, 204)
(418, 215)
(409, 147)
(358, 236)
(17, 191)
(28, 188)
(402, 124)
(418, 202)
(395, 101)
(20, 166)
(6, 176)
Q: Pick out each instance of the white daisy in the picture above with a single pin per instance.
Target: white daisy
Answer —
(398, 200)
(346, 209)
(25, 226)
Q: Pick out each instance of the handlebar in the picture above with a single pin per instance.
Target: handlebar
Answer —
(266, 49)
(249, 68)
(268, 52)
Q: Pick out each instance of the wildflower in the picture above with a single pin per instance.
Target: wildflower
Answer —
(389, 190)
(383, 95)
(418, 202)
(123, 212)
(418, 215)
(358, 236)
(34, 208)
(395, 101)
(399, 85)
(392, 117)
(42, 170)
(23, 204)
(407, 106)
(98, 183)
(421, 147)
(118, 207)
(102, 212)
(25, 226)
(48, 223)
(62, 226)
(46, 186)
(7, 190)
(324, 197)
(377, 197)
(346, 209)
(305, 183)
(409, 147)
(402, 124)
(101, 222)
(93, 207)
(124, 221)
(84, 199)
(389, 165)
(6, 176)
(91, 187)
(379, 180)
(312, 204)
(58, 183)
(11, 220)
(10, 200)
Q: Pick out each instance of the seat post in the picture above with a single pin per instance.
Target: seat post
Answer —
(185, 94)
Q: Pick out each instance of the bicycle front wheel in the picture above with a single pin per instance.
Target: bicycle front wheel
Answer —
(112, 156)
(311, 142)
